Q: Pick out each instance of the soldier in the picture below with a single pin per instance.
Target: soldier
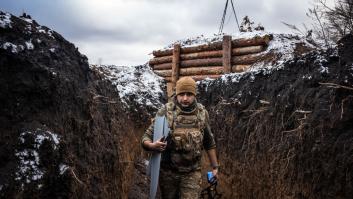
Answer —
(180, 173)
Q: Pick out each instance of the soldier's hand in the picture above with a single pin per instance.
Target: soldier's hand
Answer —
(159, 145)
(215, 173)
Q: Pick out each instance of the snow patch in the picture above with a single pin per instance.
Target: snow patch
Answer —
(29, 45)
(41, 29)
(63, 168)
(52, 50)
(29, 166)
(5, 20)
(320, 61)
(27, 20)
(135, 84)
(323, 69)
(29, 159)
(307, 76)
(10, 46)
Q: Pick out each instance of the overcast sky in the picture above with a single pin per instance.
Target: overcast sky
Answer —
(124, 32)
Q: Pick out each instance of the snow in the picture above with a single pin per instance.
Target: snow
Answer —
(63, 168)
(323, 69)
(29, 45)
(52, 50)
(135, 84)
(321, 61)
(11, 46)
(26, 19)
(5, 20)
(307, 76)
(29, 166)
(41, 29)
(17, 48)
(29, 159)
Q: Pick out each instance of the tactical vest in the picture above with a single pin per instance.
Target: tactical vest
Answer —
(184, 149)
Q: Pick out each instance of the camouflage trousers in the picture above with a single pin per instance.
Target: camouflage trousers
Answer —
(174, 185)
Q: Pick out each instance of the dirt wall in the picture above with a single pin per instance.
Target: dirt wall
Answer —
(289, 133)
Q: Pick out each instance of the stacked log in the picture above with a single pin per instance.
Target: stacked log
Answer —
(209, 60)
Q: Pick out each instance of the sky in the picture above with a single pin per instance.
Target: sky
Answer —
(125, 32)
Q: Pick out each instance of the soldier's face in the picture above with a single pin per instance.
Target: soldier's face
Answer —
(185, 99)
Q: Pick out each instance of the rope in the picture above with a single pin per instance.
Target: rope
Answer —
(223, 18)
(235, 15)
(220, 31)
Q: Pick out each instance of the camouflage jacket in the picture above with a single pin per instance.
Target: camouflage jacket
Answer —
(184, 156)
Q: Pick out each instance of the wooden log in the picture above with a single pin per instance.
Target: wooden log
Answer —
(175, 64)
(160, 60)
(197, 77)
(247, 50)
(246, 59)
(201, 55)
(205, 47)
(165, 66)
(212, 70)
(256, 41)
(170, 90)
(164, 73)
(201, 62)
(227, 53)
(240, 68)
(161, 53)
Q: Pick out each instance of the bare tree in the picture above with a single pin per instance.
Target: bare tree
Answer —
(332, 22)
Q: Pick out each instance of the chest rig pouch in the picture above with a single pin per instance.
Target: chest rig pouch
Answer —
(187, 140)
(187, 135)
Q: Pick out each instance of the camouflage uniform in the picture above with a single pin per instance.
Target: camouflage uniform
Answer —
(180, 174)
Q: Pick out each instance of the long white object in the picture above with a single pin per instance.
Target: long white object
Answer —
(161, 129)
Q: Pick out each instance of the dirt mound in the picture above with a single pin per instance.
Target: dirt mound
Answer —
(286, 133)
(65, 131)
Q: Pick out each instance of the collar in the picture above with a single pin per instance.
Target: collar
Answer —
(188, 110)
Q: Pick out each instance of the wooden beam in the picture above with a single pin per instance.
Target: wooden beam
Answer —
(170, 89)
(164, 73)
(165, 66)
(160, 60)
(227, 53)
(256, 41)
(197, 77)
(201, 62)
(175, 64)
(193, 49)
(247, 59)
(201, 55)
(212, 70)
(247, 50)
